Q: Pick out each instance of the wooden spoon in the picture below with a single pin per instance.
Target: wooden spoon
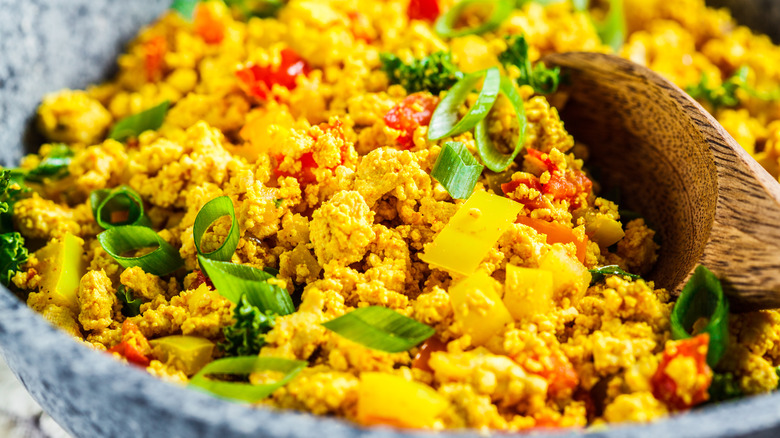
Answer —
(710, 202)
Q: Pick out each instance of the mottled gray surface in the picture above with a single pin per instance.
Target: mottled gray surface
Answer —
(45, 46)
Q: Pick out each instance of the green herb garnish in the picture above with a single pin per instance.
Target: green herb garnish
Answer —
(118, 241)
(54, 165)
(702, 297)
(433, 73)
(380, 328)
(243, 366)
(542, 79)
(134, 125)
(213, 210)
(12, 250)
(457, 170)
(247, 335)
(598, 274)
(724, 386)
(130, 306)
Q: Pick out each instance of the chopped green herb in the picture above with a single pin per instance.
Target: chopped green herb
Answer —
(12, 250)
(543, 80)
(134, 125)
(256, 8)
(247, 335)
(434, 73)
(598, 274)
(278, 203)
(130, 306)
(724, 386)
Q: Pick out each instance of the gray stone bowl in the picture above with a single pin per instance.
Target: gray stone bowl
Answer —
(49, 45)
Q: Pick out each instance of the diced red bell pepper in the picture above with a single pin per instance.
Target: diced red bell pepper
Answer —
(426, 10)
(415, 110)
(132, 339)
(258, 81)
(665, 387)
(154, 52)
(208, 26)
(431, 345)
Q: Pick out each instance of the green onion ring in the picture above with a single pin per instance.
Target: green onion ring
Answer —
(119, 240)
(702, 297)
(445, 23)
(380, 328)
(444, 121)
(612, 30)
(491, 157)
(233, 280)
(106, 201)
(213, 210)
(457, 170)
(244, 365)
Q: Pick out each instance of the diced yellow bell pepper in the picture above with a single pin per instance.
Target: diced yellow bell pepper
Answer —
(473, 230)
(527, 291)
(187, 353)
(478, 306)
(570, 277)
(63, 265)
(388, 399)
(605, 231)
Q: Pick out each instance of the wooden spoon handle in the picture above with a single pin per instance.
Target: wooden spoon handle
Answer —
(711, 202)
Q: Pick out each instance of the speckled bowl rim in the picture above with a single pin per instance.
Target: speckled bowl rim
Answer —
(755, 416)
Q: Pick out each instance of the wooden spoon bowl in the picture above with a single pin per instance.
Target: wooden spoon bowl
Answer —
(710, 202)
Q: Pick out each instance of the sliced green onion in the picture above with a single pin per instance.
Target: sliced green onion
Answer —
(213, 210)
(242, 366)
(108, 202)
(380, 328)
(457, 170)
(185, 8)
(256, 8)
(233, 280)
(702, 297)
(133, 126)
(445, 24)
(492, 157)
(612, 30)
(579, 5)
(120, 240)
(444, 121)
(598, 274)
(54, 165)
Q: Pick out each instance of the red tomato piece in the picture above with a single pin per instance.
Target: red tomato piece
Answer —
(154, 52)
(415, 110)
(132, 340)
(531, 182)
(664, 386)
(560, 375)
(258, 81)
(208, 26)
(308, 164)
(427, 10)
(431, 345)
(201, 279)
(563, 185)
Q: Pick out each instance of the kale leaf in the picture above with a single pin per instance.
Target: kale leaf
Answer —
(542, 79)
(12, 250)
(247, 335)
(435, 72)
(724, 386)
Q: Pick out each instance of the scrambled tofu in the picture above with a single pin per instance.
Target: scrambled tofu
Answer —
(289, 118)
